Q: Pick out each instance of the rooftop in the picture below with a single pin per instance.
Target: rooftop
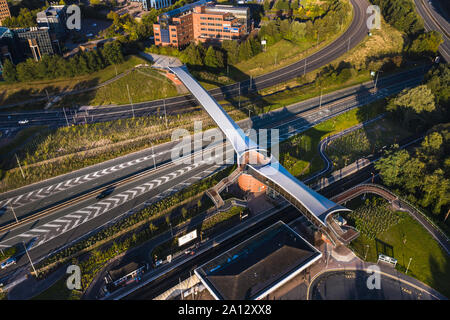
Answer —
(259, 265)
(124, 270)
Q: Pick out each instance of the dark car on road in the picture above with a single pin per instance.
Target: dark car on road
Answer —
(105, 193)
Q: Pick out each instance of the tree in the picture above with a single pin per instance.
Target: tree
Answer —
(112, 52)
(438, 80)
(192, 55)
(426, 43)
(432, 143)
(294, 5)
(420, 99)
(390, 166)
(297, 31)
(184, 213)
(211, 58)
(266, 5)
(245, 51)
(231, 48)
(9, 71)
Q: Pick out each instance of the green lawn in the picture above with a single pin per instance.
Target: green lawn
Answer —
(58, 291)
(16, 92)
(364, 141)
(299, 153)
(404, 240)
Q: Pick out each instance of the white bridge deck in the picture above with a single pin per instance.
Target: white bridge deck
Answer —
(296, 192)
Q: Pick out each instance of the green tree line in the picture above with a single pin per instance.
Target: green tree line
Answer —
(52, 67)
(423, 175)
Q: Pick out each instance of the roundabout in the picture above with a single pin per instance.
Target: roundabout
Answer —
(353, 285)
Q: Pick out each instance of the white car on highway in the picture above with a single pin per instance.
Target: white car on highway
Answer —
(23, 121)
(8, 262)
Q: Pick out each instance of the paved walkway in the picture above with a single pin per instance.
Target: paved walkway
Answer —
(300, 286)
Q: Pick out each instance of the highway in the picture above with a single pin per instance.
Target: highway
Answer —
(434, 19)
(62, 227)
(356, 32)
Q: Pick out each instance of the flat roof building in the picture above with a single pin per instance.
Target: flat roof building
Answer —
(54, 17)
(125, 274)
(201, 21)
(36, 42)
(259, 265)
(155, 4)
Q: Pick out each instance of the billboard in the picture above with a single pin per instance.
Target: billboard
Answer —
(187, 237)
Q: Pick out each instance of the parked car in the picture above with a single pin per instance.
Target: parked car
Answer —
(8, 262)
(23, 121)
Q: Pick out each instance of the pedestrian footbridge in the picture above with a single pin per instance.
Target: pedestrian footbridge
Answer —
(259, 164)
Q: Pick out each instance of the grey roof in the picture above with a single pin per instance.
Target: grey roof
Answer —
(258, 265)
(5, 32)
(187, 7)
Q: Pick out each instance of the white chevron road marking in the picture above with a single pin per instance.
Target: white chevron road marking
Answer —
(70, 221)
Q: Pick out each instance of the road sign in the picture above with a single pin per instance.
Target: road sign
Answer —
(186, 238)
(387, 259)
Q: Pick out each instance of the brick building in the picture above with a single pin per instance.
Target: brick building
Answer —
(201, 21)
(4, 10)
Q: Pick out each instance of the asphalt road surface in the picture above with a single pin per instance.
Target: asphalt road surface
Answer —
(352, 285)
(434, 19)
(356, 32)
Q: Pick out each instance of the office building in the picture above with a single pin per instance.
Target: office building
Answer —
(37, 41)
(54, 18)
(155, 4)
(201, 21)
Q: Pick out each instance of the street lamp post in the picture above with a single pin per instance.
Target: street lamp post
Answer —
(20, 167)
(239, 94)
(65, 115)
(304, 69)
(376, 80)
(320, 101)
(407, 268)
(131, 101)
(165, 113)
(31, 262)
(154, 160)
(14, 213)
